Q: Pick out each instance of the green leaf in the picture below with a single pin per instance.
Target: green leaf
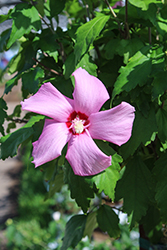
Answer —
(161, 26)
(87, 64)
(160, 172)
(151, 219)
(108, 221)
(106, 181)
(91, 224)
(63, 85)
(143, 4)
(39, 5)
(47, 42)
(31, 79)
(87, 33)
(161, 117)
(81, 189)
(136, 188)
(142, 131)
(49, 169)
(10, 84)
(10, 126)
(55, 185)
(135, 73)
(159, 84)
(3, 39)
(123, 47)
(10, 142)
(74, 231)
(56, 7)
(3, 115)
(25, 18)
(69, 65)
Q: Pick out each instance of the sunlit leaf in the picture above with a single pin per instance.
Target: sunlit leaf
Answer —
(87, 33)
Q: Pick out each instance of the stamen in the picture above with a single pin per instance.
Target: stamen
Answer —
(77, 123)
(78, 126)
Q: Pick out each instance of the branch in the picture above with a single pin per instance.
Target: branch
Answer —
(17, 120)
(51, 70)
(113, 13)
(53, 32)
(111, 9)
(127, 34)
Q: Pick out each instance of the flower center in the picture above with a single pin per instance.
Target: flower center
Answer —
(78, 126)
(77, 122)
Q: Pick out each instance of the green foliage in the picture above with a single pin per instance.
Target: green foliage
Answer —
(25, 17)
(160, 173)
(107, 180)
(138, 194)
(10, 142)
(74, 231)
(124, 47)
(81, 189)
(3, 114)
(105, 217)
(87, 33)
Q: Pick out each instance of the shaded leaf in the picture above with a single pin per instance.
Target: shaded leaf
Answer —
(81, 188)
(160, 172)
(31, 79)
(55, 185)
(126, 48)
(142, 131)
(91, 224)
(4, 36)
(161, 117)
(136, 188)
(69, 65)
(74, 231)
(3, 115)
(108, 221)
(56, 7)
(159, 84)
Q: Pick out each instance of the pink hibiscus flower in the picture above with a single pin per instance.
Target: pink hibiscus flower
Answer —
(78, 122)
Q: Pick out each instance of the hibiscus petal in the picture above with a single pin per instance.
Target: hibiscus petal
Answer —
(114, 125)
(51, 142)
(50, 102)
(89, 93)
(85, 157)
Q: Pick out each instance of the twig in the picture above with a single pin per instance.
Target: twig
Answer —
(62, 53)
(113, 13)
(149, 35)
(51, 70)
(53, 32)
(17, 120)
(111, 9)
(127, 35)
